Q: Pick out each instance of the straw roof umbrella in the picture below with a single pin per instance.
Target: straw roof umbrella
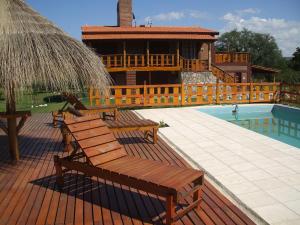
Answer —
(35, 52)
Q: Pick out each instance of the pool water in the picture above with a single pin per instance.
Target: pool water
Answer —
(275, 121)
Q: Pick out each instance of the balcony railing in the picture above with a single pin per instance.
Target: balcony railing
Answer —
(232, 57)
(157, 61)
(139, 60)
(194, 65)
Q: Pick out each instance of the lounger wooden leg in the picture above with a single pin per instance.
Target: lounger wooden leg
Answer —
(198, 193)
(59, 172)
(155, 130)
(68, 145)
(55, 118)
(146, 134)
(115, 114)
(170, 207)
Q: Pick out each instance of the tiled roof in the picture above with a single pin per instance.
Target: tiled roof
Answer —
(102, 32)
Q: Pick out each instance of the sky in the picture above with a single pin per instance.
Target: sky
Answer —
(280, 18)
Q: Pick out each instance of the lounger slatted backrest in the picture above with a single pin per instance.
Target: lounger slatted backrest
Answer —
(73, 100)
(95, 139)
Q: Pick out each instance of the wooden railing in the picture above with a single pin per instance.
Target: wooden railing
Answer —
(232, 57)
(290, 93)
(162, 60)
(193, 65)
(115, 61)
(191, 94)
(222, 75)
(140, 60)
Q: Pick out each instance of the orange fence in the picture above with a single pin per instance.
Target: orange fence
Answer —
(187, 94)
(232, 57)
(290, 93)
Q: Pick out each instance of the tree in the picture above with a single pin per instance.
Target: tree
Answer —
(295, 61)
(262, 47)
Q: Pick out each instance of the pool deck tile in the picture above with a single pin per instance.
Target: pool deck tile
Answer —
(260, 172)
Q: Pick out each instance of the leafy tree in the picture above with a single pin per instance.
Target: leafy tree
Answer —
(295, 61)
(264, 52)
(262, 47)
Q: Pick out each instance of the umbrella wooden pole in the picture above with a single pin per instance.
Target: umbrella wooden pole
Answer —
(12, 128)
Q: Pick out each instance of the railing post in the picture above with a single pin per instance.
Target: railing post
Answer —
(91, 90)
(145, 93)
(182, 94)
(251, 93)
(217, 91)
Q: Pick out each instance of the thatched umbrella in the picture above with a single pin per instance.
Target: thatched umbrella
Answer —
(35, 52)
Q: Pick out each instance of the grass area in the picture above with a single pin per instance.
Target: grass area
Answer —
(37, 102)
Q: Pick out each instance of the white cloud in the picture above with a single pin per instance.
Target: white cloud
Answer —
(168, 16)
(171, 16)
(286, 32)
(247, 11)
(197, 14)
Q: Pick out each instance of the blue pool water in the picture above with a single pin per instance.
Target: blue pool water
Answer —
(275, 121)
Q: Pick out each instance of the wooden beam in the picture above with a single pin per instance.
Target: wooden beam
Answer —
(124, 54)
(148, 54)
(177, 53)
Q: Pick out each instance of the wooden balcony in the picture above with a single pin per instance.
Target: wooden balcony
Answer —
(140, 62)
(152, 62)
(232, 57)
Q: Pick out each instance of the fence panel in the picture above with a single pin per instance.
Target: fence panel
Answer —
(190, 94)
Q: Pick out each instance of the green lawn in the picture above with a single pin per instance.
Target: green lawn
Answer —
(36, 102)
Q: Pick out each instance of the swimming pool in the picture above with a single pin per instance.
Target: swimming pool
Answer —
(275, 121)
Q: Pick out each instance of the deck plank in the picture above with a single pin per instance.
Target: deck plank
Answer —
(29, 195)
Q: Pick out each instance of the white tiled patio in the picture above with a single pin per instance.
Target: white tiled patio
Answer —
(259, 172)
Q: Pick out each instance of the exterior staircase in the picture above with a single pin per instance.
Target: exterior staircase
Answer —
(222, 75)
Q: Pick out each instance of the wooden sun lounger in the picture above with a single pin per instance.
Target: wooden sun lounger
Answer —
(78, 105)
(107, 159)
(149, 127)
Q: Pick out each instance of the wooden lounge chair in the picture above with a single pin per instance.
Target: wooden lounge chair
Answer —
(107, 159)
(149, 127)
(78, 105)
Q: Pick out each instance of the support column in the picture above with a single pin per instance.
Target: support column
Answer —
(148, 54)
(124, 54)
(178, 53)
(12, 127)
(209, 56)
(131, 78)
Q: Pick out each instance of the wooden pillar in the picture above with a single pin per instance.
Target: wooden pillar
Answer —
(12, 126)
(124, 54)
(251, 92)
(209, 56)
(182, 94)
(217, 91)
(170, 206)
(148, 54)
(178, 53)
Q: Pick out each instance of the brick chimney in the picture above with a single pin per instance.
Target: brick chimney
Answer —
(125, 13)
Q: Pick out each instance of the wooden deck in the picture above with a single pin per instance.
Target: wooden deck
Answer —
(28, 193)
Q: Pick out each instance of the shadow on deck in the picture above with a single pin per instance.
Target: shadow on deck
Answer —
(29, 195)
